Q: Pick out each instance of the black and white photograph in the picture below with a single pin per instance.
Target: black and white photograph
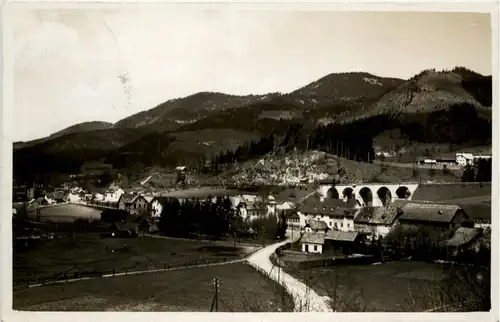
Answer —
(225, 158)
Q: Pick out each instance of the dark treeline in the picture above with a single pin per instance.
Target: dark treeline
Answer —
(481, 171)
(246, 151)
(216, 219)
(429, 244)
(354, 141)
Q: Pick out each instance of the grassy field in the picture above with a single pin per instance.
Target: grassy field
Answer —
(242, 289)
(66, 213)
(385, 287)
(89, 252)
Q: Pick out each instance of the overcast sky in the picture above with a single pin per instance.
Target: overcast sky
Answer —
(86, 65)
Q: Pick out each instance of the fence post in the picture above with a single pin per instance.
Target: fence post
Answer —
(114, 271)
(165, 266)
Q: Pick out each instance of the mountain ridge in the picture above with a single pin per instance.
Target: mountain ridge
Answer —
(359, 98)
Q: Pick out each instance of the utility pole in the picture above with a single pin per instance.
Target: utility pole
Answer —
(216, 294)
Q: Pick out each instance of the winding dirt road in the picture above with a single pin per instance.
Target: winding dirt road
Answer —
(306, 300)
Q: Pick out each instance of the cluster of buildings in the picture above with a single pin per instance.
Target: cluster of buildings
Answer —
(458, 159)
(329, 221)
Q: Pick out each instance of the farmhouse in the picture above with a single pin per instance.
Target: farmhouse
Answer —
(335, 212)
(255, 210)
(292, 218)
(341, 242)
(125, 201)
(113, 195)
(334, 241)
(140, 204)
(439, 217)
(312, 243)
(376, 221)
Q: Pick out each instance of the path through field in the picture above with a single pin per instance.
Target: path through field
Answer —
(306, 300)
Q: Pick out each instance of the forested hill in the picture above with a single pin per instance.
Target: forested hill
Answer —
(341, 113)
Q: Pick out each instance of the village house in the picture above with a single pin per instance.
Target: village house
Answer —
(312, 243)
(139, 205)
(336, 213)
(292, 219)
(335, 242)
(432, 216)
(125, 201)
(254, 210)
(376, 221)
(342, 243)
(113, 195)
(73, 198)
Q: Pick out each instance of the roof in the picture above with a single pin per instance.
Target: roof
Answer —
(256, 206)
(341, 235)
(313, 238)
(431, 212)
(126, 198)
(291, 194)
(289, 213)
(332, 207)
(463, 235)
(399, 203)
(478, 211)
(149, 198)
(285, 205)
(377, 215)
(317, 224)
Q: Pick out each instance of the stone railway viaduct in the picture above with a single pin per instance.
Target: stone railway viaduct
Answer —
(369, 194)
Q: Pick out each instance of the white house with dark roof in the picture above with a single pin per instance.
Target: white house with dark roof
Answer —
(312, 242)
(337, 214)
(113, 195)
(334, 241)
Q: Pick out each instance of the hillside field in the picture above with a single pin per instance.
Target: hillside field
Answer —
(242, 289)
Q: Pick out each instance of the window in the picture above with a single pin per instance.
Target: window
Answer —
(348, 225)
(341, 225)
(315, 247)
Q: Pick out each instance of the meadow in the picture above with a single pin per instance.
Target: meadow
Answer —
(389, 287)
(241, 289)
(66, 213)
(88, 252)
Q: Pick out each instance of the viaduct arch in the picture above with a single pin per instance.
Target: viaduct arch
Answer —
(370, 194)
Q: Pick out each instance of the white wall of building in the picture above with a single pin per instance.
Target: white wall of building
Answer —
(312, 248)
